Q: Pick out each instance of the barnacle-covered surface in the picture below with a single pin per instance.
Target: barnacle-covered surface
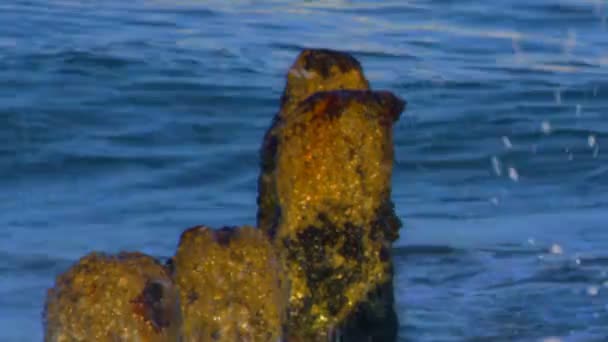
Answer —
(313, 71)
(126, 297)
(230, 285)
(335, 220)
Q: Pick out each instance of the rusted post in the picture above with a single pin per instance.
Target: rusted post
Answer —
(325, 201)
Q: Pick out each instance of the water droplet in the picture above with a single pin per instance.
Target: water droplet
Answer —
(507, 142)
(496, 166)
(591, 141)
(556, 249)
(531, 241)
(515, 45)
(513, 174)
(558, 96)
(552, 339)
(545, 127)
(578, 261)
(570, 42)
(593, 290)
(570, 154)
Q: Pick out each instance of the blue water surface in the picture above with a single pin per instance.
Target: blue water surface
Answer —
(124, 122)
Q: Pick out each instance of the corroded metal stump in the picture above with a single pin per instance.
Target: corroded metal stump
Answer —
(126, 297)
(324, 199)
(231, 286)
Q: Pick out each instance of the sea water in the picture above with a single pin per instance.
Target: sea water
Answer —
(124, 122)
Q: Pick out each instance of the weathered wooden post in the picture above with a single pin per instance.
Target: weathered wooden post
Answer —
(325, 199)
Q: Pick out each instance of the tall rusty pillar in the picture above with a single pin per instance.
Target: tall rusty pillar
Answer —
(325, 199)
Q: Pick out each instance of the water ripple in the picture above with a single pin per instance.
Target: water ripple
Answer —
(138, 119)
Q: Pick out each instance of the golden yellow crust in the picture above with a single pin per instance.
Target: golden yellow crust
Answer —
(332, 171)
(313, 71)
(127, 297)
(230, 285)
(336, 151)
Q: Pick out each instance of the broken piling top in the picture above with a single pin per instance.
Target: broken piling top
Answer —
(124, 297)
(335, 219)
(318, 70)
(230, 284)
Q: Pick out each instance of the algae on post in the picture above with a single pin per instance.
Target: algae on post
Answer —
(230, 285)
(125, 297)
